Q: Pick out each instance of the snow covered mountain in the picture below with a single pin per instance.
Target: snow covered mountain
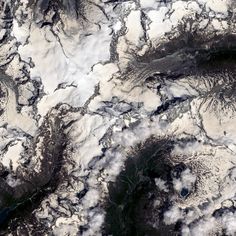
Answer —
(118, 117)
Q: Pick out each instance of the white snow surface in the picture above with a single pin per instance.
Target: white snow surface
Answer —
(71, 64)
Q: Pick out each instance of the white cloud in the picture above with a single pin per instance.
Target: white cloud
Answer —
(229, 223)
(186, 180)
(161, 184)
(173, 215)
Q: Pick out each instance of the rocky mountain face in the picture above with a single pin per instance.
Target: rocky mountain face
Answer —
(117, 117)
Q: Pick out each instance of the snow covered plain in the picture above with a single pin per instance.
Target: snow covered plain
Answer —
(117, 117)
